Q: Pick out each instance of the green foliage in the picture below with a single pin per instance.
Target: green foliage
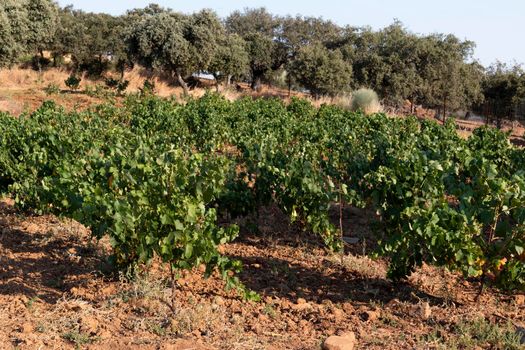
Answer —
(52, 89)
(365, 100)
(175, 42)
(148, 87)
(94, 40)
(448, 82)
(14, 20)
(98, 90)
(258, 28)
(118, 85)
(6, 39)
(322, 71)
(503, 88)
(42, 16)
(73, 82)
(150, 195)
(152, 175)
(232, 59)
(436, 70)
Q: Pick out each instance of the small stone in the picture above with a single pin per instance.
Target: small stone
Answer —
(425, 311)
(393, 303)
(370, 315)
(89, 325)
(301, 307)
(519, 299)
(348, 308)
(219, 301)
(26, 328)
(347, 341)
(257, 329)
(339, 315)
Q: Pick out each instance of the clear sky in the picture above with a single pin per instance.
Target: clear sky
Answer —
(497, 27)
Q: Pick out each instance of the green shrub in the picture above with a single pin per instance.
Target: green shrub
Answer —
(365, 100)
(73, 82)
(148, 87)
(119, 85)
(52, 89)
(97, 91)
(111, 83)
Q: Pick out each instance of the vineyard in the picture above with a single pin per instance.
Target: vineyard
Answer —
(248, 213)
(165, 179)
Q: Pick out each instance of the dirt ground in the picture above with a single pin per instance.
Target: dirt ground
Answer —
(57, 292)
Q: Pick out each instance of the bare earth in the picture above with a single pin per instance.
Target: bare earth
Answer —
(55, 293)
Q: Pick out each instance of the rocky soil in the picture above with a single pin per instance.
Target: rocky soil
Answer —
(57, 291)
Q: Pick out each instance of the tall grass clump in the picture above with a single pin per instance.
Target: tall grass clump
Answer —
(365, 100)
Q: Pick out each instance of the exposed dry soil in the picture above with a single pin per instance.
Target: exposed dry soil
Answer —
(58, 292)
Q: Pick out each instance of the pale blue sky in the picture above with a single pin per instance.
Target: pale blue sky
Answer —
(497, 27)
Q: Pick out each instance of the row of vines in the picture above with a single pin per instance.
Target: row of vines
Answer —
(154, 175)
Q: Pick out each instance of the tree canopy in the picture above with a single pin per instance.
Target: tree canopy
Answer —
(437, 70)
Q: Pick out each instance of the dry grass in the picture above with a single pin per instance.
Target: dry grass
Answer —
(164, 85)
(17, 78)
(24, 89)
(362, 265)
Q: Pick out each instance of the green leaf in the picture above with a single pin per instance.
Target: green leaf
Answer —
(188, 250)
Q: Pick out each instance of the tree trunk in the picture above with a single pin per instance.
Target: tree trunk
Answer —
(486, 112)
(229, 80)
(216, 83)
(498, 122)
(444, 109)
(256, 83)
(39, 62)
(289, 86)
(182, 83)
